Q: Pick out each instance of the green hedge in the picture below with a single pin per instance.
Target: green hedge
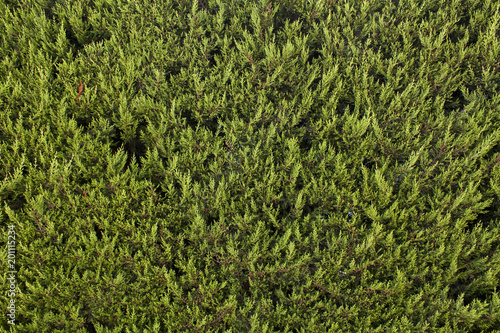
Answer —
(250, 166)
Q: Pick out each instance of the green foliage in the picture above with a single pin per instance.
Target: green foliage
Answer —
(272, 166)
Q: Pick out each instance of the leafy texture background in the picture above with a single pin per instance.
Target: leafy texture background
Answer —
(284, 166)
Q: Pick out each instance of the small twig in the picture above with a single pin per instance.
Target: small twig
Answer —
(38, 224)
(201, 3)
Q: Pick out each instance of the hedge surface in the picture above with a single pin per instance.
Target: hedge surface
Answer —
(250, 166)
